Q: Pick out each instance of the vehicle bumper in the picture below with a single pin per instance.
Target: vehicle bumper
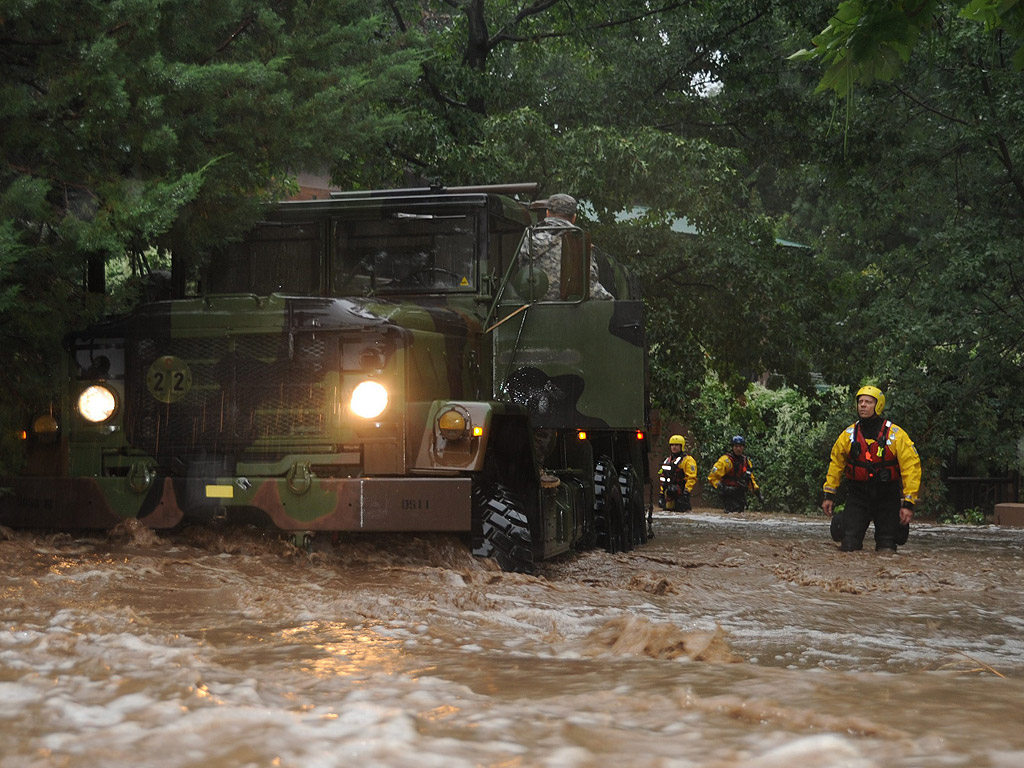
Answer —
(368, 504)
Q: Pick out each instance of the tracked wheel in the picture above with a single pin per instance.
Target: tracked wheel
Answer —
(504, 530)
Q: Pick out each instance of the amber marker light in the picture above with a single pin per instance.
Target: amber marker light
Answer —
(478, 431)
(452, 424)
(581, 434)
(639, 434)
(45, 424)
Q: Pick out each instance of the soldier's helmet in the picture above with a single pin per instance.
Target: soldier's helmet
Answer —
(562, 204)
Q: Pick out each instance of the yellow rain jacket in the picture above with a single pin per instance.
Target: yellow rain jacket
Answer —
(897, 440)
(671, 464)
(727, 471)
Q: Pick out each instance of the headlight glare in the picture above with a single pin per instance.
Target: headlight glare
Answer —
(97, 403)
(369, 399)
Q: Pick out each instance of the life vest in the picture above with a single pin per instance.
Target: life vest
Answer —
(741, 467)
(671, 468)
(877, 463)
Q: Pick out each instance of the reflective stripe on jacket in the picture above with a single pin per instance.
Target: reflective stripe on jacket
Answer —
(676, 464)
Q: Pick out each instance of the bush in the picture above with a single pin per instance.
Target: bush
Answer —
(789, 436)
(972, 516)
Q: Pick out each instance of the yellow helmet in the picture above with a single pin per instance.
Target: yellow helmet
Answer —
(678, 440)
(876, 393)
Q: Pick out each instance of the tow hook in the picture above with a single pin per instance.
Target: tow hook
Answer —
(299, 478)
(140, 476)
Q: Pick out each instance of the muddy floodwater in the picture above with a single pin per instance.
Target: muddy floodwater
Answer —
(726, 641)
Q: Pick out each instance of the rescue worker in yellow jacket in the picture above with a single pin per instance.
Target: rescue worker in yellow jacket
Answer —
(677, 477)
(733, 473)
(883, 470)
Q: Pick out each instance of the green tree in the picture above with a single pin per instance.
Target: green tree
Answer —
(691, 109)
(655, 110)
(140, 126)
(868, 40)
(920, 206)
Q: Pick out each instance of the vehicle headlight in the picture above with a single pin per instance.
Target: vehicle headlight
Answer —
(369, 399)
(97, 403)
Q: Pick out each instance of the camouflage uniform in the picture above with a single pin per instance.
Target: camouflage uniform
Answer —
(547, 256)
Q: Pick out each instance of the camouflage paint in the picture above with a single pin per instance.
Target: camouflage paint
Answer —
(235, 405)
(552, 361)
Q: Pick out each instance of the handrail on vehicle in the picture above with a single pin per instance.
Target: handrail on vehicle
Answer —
(497, 189)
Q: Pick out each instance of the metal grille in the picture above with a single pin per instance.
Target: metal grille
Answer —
(245, 389)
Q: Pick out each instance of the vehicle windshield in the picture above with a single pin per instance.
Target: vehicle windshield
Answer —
(405, 252)
(273, 258)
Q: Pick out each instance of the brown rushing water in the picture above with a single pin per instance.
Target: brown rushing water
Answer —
(726, 641)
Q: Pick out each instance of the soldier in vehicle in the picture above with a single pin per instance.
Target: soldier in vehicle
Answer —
(678, 476)
(733, 473)
(545, 247)
(881, 463)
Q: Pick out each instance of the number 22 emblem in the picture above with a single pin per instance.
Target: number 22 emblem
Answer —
(169, 379)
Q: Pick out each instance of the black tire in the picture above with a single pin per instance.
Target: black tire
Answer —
(633, 502)
(608, 509)
(480, 546)
(588, 530)
(625, 525)
(504, 532)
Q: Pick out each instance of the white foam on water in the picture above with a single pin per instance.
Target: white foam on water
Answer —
(230, 661)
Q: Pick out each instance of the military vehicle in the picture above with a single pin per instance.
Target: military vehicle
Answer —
(377, 361)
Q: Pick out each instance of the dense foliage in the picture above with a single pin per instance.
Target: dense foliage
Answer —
(924, 212)
(139, 126)
(136, 127)
(789, 436)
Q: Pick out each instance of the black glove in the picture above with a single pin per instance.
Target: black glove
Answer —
(836, 527)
